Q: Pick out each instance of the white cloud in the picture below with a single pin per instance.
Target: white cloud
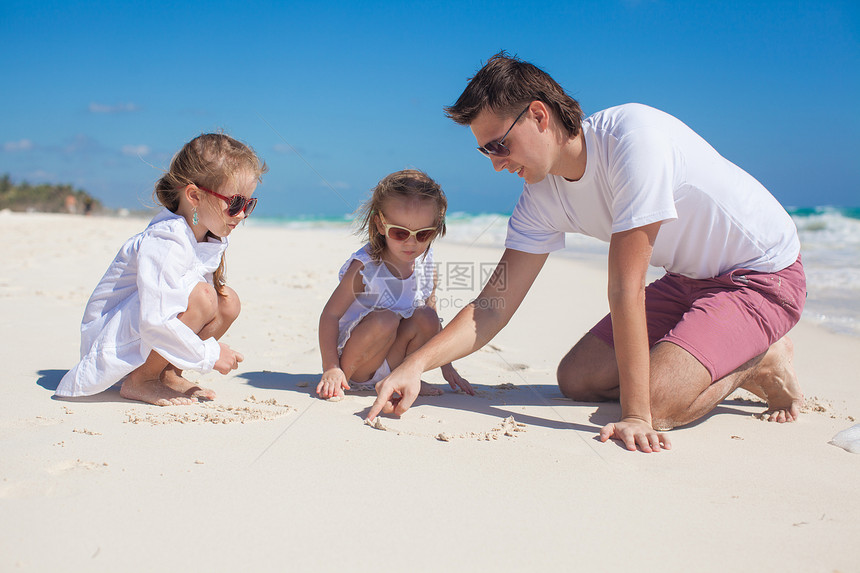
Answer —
(135, 150)
(20, 145)
(118, 108)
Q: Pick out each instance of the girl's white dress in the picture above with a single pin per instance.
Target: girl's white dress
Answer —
(134, 308)
(382, 290)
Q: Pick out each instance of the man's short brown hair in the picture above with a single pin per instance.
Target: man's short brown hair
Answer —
(505, 84)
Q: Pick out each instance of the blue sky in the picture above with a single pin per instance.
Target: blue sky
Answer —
(101, 95)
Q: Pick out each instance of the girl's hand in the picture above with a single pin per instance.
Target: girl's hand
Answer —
(332, 383)
(228, 360)
(634, 432)
(455, 380)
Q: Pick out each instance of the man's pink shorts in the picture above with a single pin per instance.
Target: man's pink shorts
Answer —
(724, 321)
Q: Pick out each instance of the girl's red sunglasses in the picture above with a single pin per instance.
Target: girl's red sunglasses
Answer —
(235, 204)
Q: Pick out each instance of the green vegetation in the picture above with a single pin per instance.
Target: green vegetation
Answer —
(46, 198)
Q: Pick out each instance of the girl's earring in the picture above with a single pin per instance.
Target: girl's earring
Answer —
(195, 219)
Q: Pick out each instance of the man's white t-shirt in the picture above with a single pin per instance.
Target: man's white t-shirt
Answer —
(644, 166)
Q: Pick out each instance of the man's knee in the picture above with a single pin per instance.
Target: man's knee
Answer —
(677, 384)
(588, 373)
(572, 383)
(565, 374)
(665, 409)
(664, 413)
(669, 409)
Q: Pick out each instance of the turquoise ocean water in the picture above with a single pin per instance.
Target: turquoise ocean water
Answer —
(830, 243)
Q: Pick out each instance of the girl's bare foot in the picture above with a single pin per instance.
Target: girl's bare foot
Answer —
(429, 390)
(152, 391)
(172, 378)
(776, 382)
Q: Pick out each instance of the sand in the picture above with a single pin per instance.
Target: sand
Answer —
(268, 477)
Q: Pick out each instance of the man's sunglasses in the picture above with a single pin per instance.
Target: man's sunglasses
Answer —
(399, 233)
(235, 204)
(497, 148)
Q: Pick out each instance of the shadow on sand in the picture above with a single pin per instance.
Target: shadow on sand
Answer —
(50, 379)
(493, 401)
(486, 401)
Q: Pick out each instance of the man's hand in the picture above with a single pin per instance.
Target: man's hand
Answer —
(332, 383)
(456, 381)
(635, 432)
(396, 392)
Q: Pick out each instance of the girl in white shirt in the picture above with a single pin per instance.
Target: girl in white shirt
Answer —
(163, 303)
(384, 307)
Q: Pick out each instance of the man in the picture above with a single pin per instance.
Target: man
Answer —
(659, 194)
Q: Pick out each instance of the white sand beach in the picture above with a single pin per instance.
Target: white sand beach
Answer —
(269, 478)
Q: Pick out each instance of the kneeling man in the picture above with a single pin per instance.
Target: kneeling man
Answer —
(659, 194)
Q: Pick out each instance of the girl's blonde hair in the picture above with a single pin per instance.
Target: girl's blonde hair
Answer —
(408, 184)
(209, 160)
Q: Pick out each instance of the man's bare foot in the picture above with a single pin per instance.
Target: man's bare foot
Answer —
(429, 390)
(172, 378)
(152, 391)
(776, 383)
